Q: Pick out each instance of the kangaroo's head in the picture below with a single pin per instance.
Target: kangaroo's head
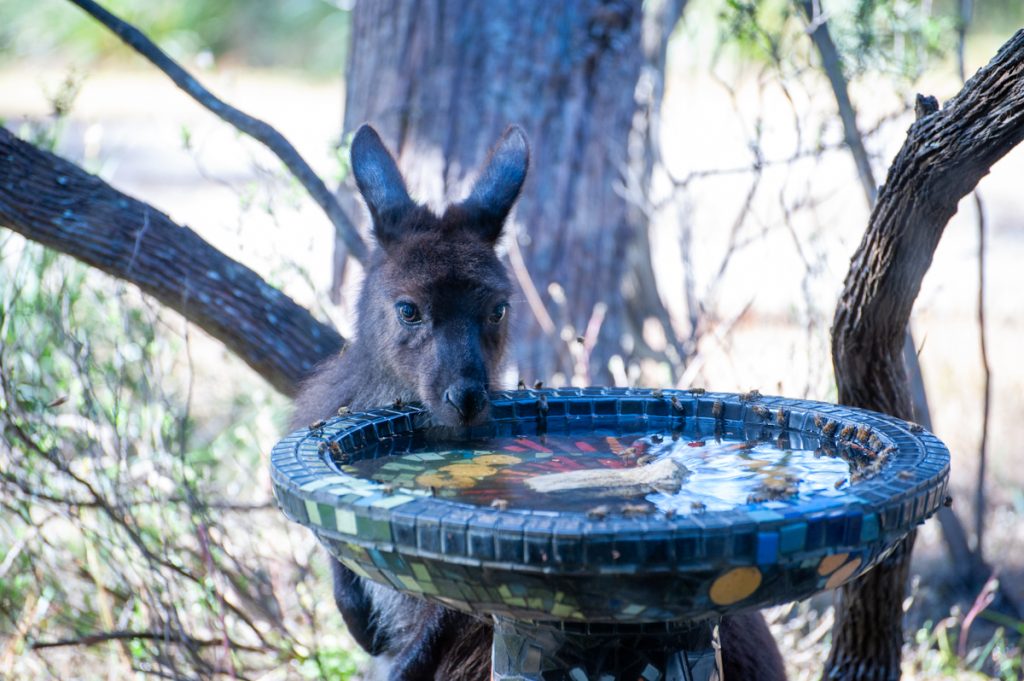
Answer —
(434, 309)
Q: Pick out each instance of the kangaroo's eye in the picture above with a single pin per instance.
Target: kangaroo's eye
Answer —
(498, 313)
(408, 313)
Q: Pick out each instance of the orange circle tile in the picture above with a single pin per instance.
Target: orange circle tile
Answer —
(735, 585)
(831, 563)
(843, 574)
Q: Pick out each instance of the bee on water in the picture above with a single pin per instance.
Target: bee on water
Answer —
(635, 509)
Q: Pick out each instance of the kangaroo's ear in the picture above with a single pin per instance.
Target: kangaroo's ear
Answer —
(497, 188)
(380, 183)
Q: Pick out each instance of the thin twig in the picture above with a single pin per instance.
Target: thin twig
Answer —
(254, 127)
(104, 636)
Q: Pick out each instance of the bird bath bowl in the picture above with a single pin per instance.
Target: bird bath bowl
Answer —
(606, 531)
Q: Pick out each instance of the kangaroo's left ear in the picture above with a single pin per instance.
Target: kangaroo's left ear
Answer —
(497, 188)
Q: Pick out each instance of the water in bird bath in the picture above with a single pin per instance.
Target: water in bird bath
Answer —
(608, 471)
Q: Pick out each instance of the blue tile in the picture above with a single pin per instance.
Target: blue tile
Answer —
(792, 537)
(767, 548)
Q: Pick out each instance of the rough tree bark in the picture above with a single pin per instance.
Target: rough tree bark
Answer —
(945, 155)
(440, 81)
(50, 200)
(968, 565)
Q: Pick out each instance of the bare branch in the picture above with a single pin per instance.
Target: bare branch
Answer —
(50, 200)
(254, 127)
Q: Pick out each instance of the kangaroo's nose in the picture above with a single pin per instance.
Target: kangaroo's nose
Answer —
(470, 401)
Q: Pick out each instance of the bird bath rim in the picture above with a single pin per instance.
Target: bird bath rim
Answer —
(529, 563)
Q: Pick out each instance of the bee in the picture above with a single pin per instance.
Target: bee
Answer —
(915, 427)
(677, 405)
(670, 513)
(398, 403)
(864, 433)
(322, 447)
(947, 501)
(317, 425)
(500, 504)
(780, 416)
(538, 385)
(628, 452)
(819, 421)
(335, 449)
(580, 339)
(657, 393)
(387, 489)
(657, 439)
(698, 506)
(839, 483)
(542, 404)
(718, 409)
(635, 509)
(847, 432)
(762, 413)
(698, 391)
(521, 385)
(875, 443)
(750, 396)
(598, 512)
(829, 429)
(344, 410)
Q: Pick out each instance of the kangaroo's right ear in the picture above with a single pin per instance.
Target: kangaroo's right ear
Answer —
(497, 188)
(380, 183)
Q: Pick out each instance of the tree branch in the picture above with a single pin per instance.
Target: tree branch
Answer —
(54, 202)
(945, 155)
(254, 127)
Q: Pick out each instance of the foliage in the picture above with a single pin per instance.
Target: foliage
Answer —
(132, 537)
(256, 33)
(896, 38)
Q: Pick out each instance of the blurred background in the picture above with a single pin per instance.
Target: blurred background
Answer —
(151, 547)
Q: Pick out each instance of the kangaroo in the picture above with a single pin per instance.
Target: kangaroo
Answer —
(432, 327)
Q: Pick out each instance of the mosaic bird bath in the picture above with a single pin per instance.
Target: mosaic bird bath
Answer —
(606, 531)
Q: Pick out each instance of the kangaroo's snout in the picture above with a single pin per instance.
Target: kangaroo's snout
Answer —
(468, 401)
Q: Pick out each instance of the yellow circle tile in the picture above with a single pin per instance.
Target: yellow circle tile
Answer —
(735, 585)
(468, 470)
(496, 459)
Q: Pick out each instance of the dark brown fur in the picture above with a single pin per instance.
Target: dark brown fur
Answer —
(445, 266)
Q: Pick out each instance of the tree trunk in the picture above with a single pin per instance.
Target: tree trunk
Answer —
(52, 201)
(441, 81)
(945, 155)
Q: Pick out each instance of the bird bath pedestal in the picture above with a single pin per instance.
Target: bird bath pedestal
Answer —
(583, 584)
